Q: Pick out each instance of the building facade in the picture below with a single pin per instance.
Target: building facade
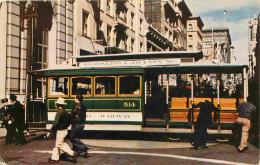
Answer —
(109, 27)
(194, 34)
(170, 18)
(217, 44)
(252, 31)
(35, 35)
(40, 34)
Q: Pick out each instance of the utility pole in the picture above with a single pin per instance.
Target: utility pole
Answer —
(28, 13)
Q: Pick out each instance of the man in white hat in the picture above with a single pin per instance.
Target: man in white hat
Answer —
(60, 125)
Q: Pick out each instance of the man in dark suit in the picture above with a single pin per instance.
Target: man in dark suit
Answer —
(8, 121)
(204, 120)
(18, 120)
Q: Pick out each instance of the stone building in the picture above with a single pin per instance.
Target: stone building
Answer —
(252, 31)
(34, 35)
(217, 44)
(108, 27)
(194, 34)
(170, 18)
(40, 34)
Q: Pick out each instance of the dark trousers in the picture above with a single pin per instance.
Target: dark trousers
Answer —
(76, 130)
(10, 134)
(19, 138)
(200, 135)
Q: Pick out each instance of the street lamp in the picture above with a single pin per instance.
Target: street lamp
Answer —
(28, 11)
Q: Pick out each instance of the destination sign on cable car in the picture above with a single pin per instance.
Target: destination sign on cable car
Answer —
(134, 63)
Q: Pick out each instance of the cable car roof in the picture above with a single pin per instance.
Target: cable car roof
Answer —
(170, 69)
(166, 54)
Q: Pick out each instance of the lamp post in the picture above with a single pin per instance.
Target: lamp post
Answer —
(28, 11)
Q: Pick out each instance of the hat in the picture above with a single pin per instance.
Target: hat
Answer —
(12, 97)
(4, 100)
(61, 101)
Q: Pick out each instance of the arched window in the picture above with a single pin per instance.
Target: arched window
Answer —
(190, 27)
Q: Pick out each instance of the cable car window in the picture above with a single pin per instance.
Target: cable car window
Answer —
(58, 86)
(104, 85)
(81, 85)
(129, 85)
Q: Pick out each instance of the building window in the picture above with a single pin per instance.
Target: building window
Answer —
(99, 31)
(141, 46)
(190, 37)
(190, 47)
(170, 36)
(132, 21)
(108, 6)
(40, 61)
(42, 47)
(132, 45)
(125, 43)
(190, 27)
(109, 29)
(85, 23)
(166, 32)
(141, 26)
(123, 14)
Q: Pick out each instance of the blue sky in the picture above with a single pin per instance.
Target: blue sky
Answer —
(240, 12)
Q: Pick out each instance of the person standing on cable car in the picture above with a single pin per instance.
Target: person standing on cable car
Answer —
(18, 120)
(204, 120)
(245, 113)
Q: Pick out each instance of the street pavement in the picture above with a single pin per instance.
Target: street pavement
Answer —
(129, 149)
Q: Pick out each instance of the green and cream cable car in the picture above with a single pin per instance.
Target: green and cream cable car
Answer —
(132, 92)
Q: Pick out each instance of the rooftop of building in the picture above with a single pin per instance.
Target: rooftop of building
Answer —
(215, 29)
(200, 22)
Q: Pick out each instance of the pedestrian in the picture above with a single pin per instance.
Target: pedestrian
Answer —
(60, 126)
(204, 120)
(245, 113)
(77, 127)
(2, 117)
(8, 121)
(18, 120)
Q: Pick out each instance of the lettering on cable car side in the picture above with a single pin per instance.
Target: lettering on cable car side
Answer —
(107, 116)
(140, 63)
(114, 116)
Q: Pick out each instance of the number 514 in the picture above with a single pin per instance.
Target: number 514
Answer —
(129, 104)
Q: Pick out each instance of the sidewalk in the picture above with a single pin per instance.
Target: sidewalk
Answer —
(2, 132)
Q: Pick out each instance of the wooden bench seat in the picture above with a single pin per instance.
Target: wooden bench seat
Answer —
(226, 103)
(179, 110)
(179, 103)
